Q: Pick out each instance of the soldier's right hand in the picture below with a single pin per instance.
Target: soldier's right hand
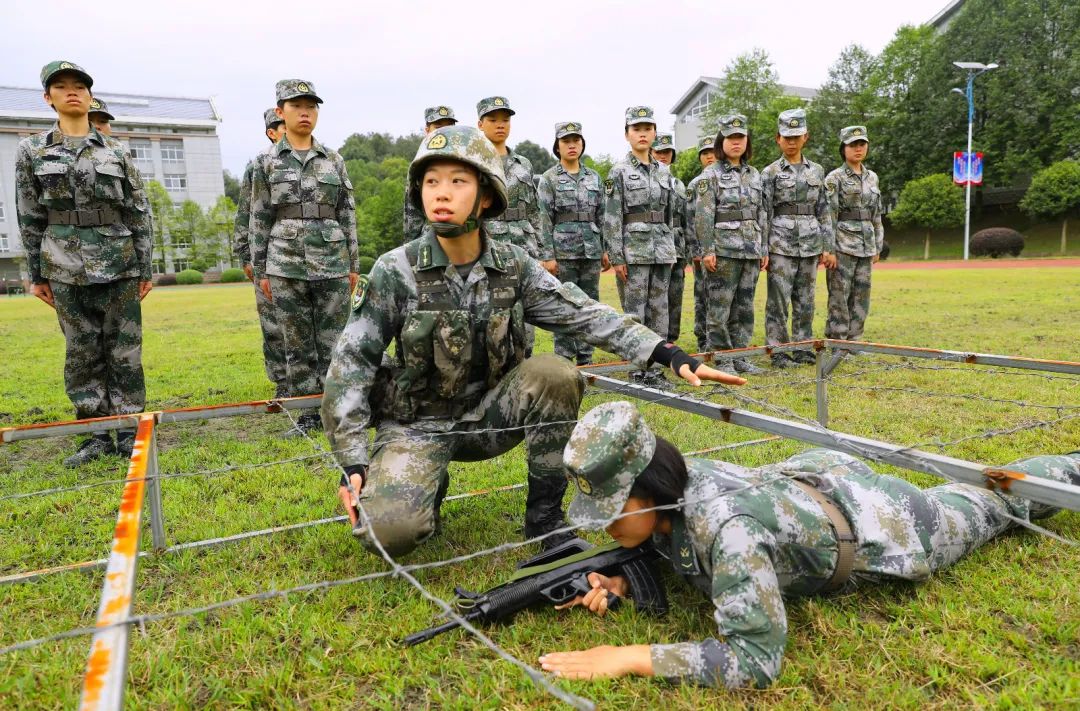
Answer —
(605, 263)
(596, 599)
(43, 292)
(347, 499)
(765, 263)
(620, 271)
(249, 272)
(264, 284)
(709, 262)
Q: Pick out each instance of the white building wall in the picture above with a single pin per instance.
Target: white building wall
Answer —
(9, 223)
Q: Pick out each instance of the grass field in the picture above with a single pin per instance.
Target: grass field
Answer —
(1000, 629)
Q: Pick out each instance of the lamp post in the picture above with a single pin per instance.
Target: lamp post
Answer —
(973, 69)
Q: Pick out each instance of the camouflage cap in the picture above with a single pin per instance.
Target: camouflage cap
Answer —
(51, 69)
(850, 134)
(791, 123)
(568, 128)
(663, 142)
(607, 450)
(98, 106)
(493, 103)
(294, 88)
(707, 143)
(271, 119)
(732, 124)
(639, 114)
(439, 113)
(465, 144)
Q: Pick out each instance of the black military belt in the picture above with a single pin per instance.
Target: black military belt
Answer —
(513, 213)
(653, 217)
(854, 215)
(84, 218)
(747, 213)
(306, 211)
(793, 210)
(561, 217)
(845, 539)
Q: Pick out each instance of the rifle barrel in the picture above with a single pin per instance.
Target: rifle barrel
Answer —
(424, 635)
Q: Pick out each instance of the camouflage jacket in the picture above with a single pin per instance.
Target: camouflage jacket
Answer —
(861, 236)
(633, 187)
(386, 310)
(521, 191)
(693, 244)
(562, 192)
(302, 248)
(787, 186)
(242, 228)
(99, 173)
(724, 189)
(412, 217)
(678, 219)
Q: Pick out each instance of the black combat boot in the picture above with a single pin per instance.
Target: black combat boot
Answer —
(125, 442)
(92, 448)
(543, 510)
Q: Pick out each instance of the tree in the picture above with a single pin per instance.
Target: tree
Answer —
(748, 84)
(932, 203)
(232, 186)
(686, 166)
(378, 218)
(601, 164)
(375, 147)
(161, 209)
(763, 131)
(1055, 194)
(541, 158)
(190, 229)
(845, 99)
(222, 218)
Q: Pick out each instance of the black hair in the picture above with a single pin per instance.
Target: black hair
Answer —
(664, 479)
(555, 148)
(718, 148)
(843, 158)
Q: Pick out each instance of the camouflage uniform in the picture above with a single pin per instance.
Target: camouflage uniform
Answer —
(800, 229)
(273, 341)
(303, 231)
(638, 218)
(855, 204)
(677, 281)
(458, 369)
(693, 249)
(85, 223)
(413, 218)
(749, 549)
(571, 212)
(731, 223)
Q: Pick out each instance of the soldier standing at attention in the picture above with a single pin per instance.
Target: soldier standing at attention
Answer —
(731, 224)
(663, 151)
(571, 211)
(752, 539)
(638, 218)
(303, 233)
(706, 157)
(100, 118)
(855, 203)
(85, 222)
(458, 388)
(800, 238)
(273, 341)
(413, 217)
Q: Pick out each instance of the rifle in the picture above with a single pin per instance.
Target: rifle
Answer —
(555, 577)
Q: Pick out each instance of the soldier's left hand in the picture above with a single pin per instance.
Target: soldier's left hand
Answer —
(144, 289)
(704, 372)
(828, 260)
(605, 263)
(876, 258)
(264, 284)
(353, 278)
(600, 662)
(551, 265)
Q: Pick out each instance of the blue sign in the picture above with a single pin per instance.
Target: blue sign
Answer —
(967, 168)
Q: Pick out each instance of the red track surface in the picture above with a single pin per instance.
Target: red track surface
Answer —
(980, 264)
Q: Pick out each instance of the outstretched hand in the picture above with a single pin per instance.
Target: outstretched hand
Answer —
(600, 662)
(704, 372)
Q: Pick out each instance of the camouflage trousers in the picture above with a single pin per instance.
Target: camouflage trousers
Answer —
(792, 280)
(273, 341)
(675, 297)
(102, 327)
(408, 470)
(700, 306)
(645, 295)
(312, 315)
(730, 312)
(585, 273)
(849, 297)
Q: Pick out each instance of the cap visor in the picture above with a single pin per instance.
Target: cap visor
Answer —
(789, 132)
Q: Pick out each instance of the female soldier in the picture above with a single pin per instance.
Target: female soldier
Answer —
(455, 303)
(638, 220)
(751, 537)
(800, 237)
(855, 204)
(570, 217)
(731, 224)
(663, 152)
(412, 217)
(706, 157)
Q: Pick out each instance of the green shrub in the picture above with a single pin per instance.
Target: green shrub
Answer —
(166, 280)
(366, 263)
(232, 276)
(189, 276)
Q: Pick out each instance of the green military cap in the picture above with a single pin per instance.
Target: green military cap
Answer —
(850, 134)
(639, 114)
(663, 142)
(51, 69)
(607, 450)
(98, 106)
(791, 122)
(493, 103)
(707, 143)
(568, 128)
(438, 113)
(732, 124)
(271, 119)
(293, 88)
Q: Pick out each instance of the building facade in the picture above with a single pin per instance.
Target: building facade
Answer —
(173, 141)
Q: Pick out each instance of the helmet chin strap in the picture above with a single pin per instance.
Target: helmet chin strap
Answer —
(449, 230)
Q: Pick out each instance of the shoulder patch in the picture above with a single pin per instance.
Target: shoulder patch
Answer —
(609, 186)
(360, 292)
(703, 187)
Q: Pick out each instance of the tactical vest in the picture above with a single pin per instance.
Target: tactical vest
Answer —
(448, 357)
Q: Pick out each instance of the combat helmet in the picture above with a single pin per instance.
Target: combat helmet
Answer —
(467, 145)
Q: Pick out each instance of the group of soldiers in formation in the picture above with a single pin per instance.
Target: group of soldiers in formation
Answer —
(434, 347)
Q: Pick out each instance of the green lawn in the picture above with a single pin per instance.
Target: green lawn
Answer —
(1000, 629)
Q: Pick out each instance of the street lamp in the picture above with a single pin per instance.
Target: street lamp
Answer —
(973, 69)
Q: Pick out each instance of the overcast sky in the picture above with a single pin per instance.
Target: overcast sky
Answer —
(377, 67)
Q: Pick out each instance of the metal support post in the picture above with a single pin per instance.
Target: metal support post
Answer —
(153, 490)
(821, 391)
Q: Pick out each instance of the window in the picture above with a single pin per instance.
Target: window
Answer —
(157, 267)
(699, 107)
(146, 177)
(140, 150)
(180, 265)
(3, 215)
(5, 245)
(175, 182)
(172, 151)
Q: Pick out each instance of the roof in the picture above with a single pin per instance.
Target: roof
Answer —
(946, 14)
(128, 108)
(705, 81)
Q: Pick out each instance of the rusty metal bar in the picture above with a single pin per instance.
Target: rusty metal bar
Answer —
(106, 669)
(1053, 366)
